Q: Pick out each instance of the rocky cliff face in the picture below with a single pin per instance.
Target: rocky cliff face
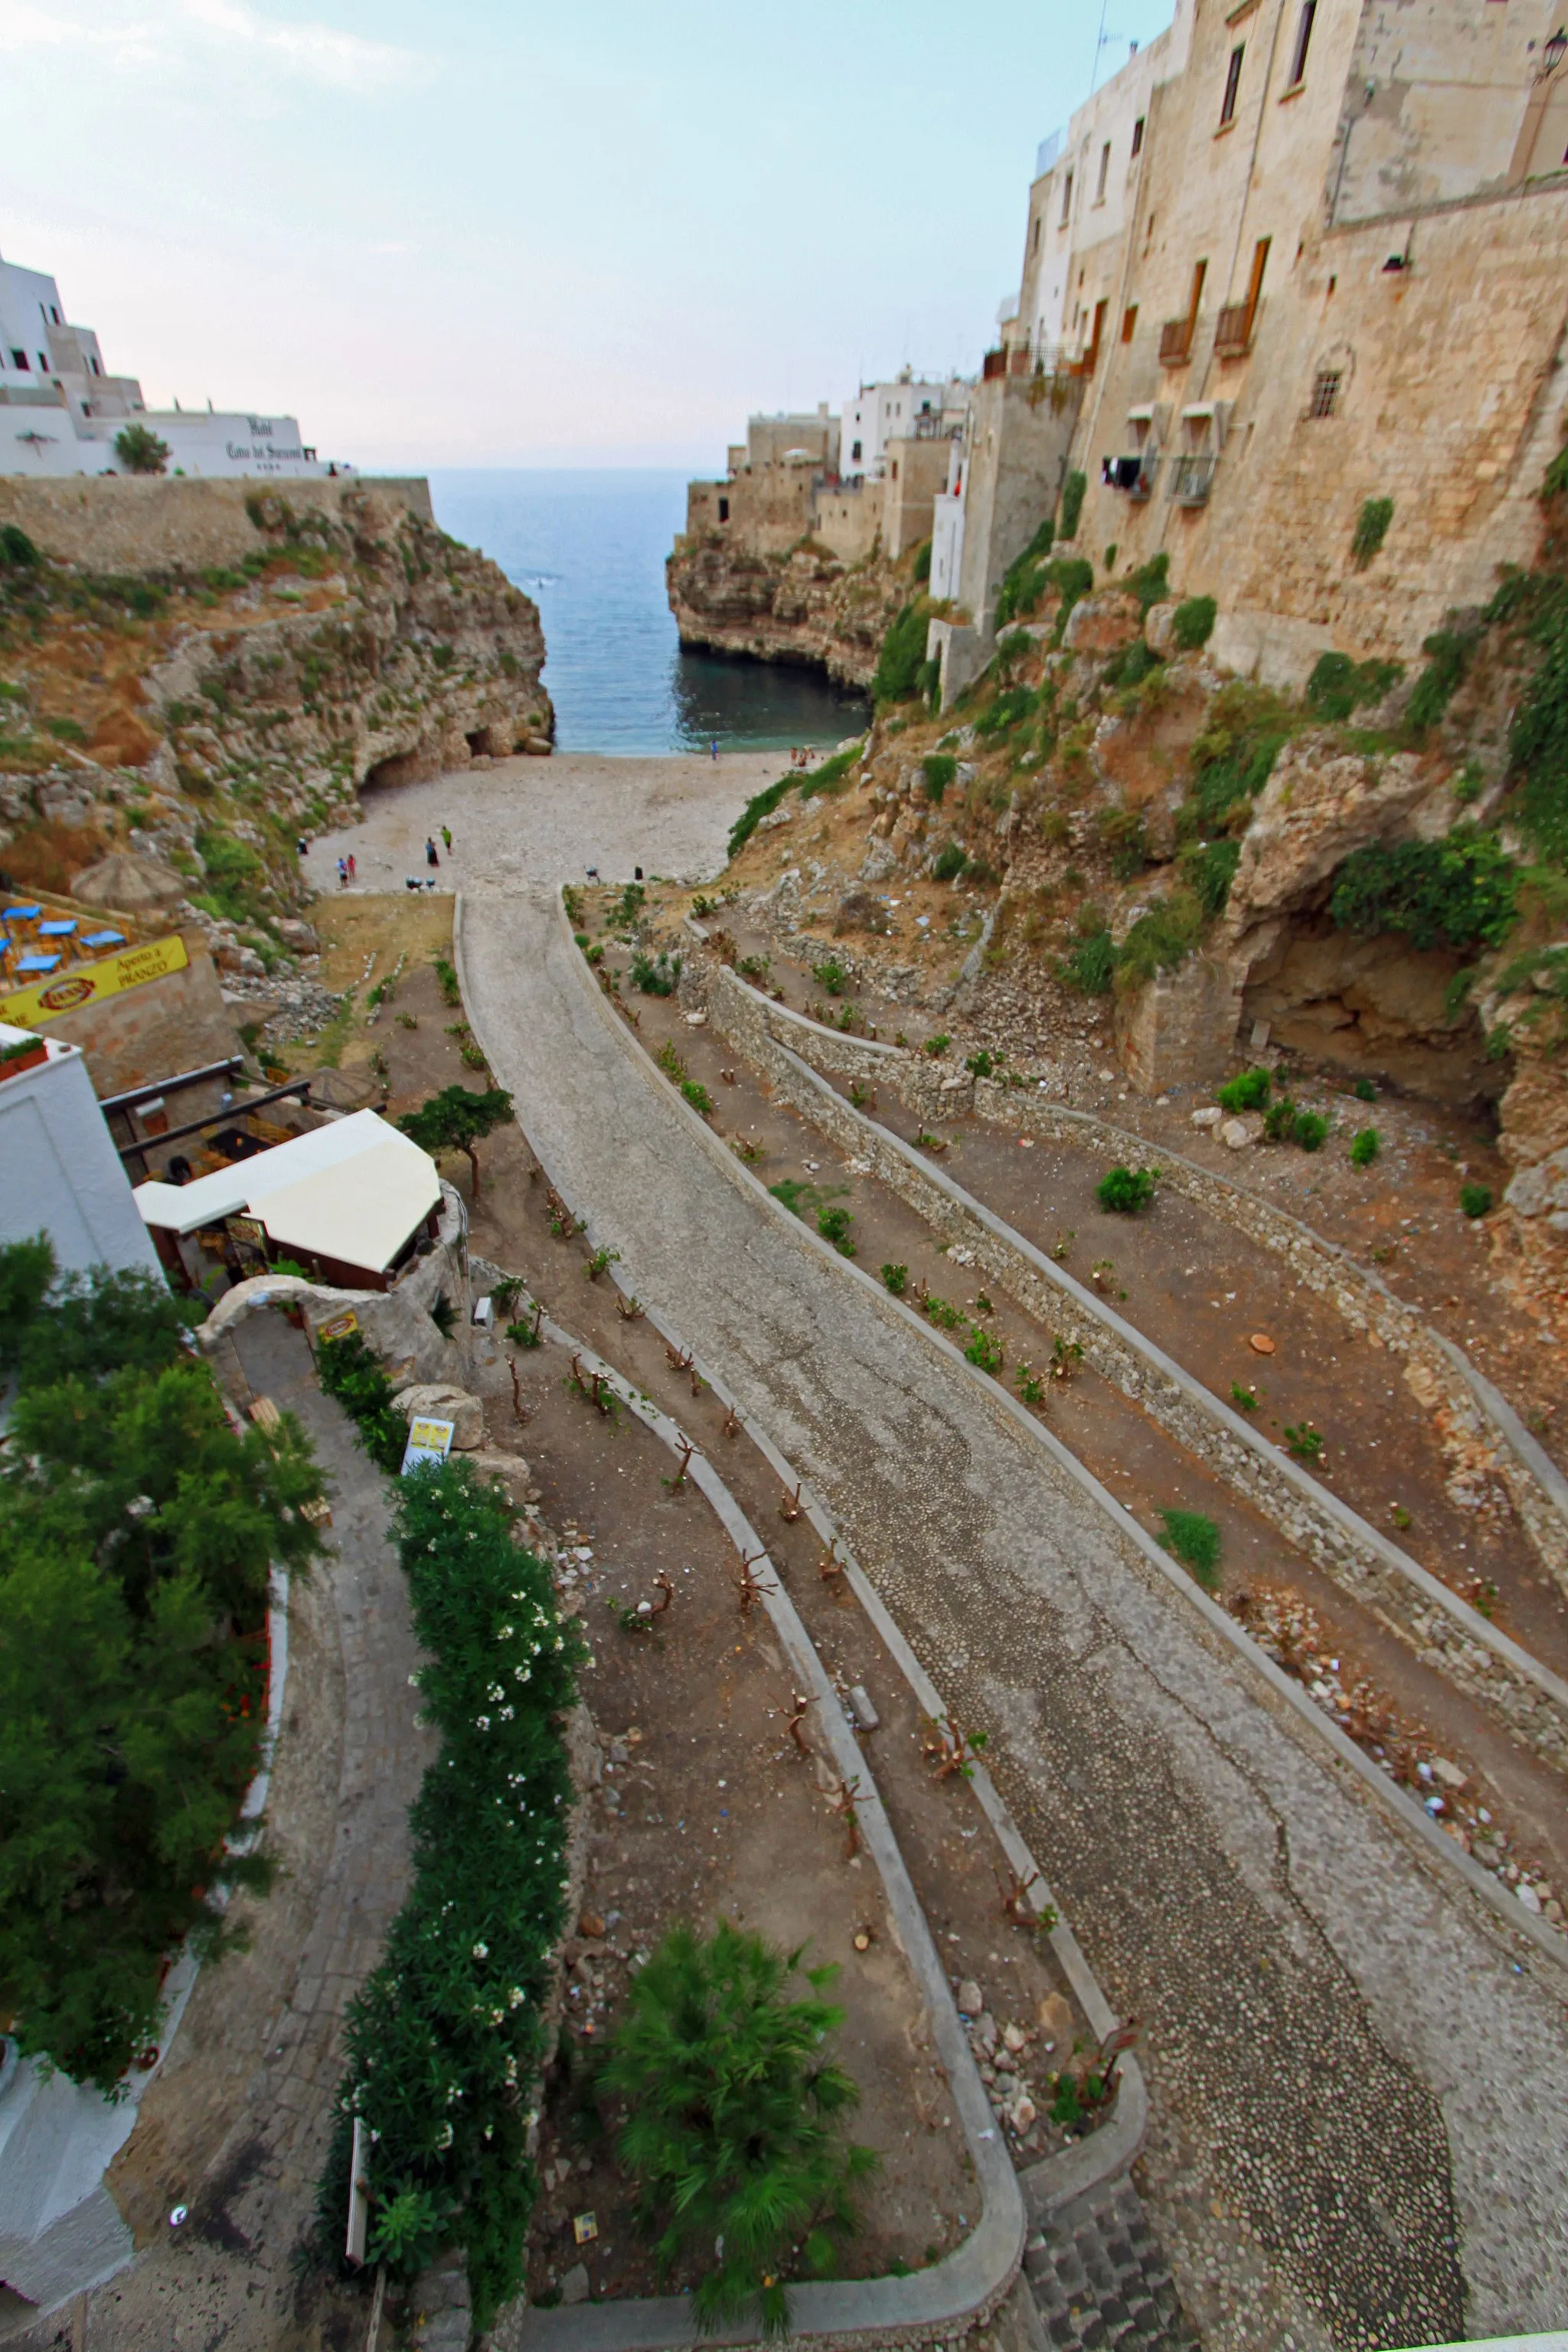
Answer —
(805, 606)
(203, 715)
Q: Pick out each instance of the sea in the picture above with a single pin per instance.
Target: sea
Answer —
(589, 547)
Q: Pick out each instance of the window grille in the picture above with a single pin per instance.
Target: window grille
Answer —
(1326, 385)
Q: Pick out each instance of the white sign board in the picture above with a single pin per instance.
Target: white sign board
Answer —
(428, 1441)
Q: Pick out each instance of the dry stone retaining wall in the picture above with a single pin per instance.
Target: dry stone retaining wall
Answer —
(1447, 1635)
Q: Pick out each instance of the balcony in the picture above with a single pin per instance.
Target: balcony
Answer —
(1142, 489)
(1233, 332)
(1192, 478)
(1176, 342)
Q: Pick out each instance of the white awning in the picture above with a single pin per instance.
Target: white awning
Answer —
(243, 1189)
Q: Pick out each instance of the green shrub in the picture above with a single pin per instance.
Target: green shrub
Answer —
(1537, 737)
(939, 768)
(1475, 1200)
(834, 1227)
(17, 548)
(1151, 583)
(902, 656)
(1132, 665)
(1371, 530)
(1091, 965)
(1011, 707)
(921, 567)
(1192, 623)
(831, 975)
(1455, 893)
(949, 863)
(140, 450)
(233, 874)
(1310, 1130)
(1339, 685)
(1125, 1191)
(655, 979)
(1194, 1540)
(1249, 1090)
(1024, 582)
(697, 1096)
(1449, 653)
(1073, 490)
(981, 1064)
(445, 2038)
(1072, 577)
(1304, 1442)
(983, 1350)
(759, 805)
(1365, 1147)
(729, 2111)
(350, 1371)
(896, 1279)
(1160, 939)
(1232, 759)
(1279, 1120)
(1209, 872)
(830, 775)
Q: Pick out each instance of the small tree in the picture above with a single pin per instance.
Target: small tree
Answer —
(455, 1119)
(730, 2109)
(140, 451)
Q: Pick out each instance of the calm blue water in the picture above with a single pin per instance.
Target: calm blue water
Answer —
(589, 547)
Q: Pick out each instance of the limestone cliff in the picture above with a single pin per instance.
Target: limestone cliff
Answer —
(805, 606)
(203, 671)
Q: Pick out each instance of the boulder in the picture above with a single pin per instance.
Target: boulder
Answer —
(1543, 1192)
(1103, 623)
(438, 1400)
(1159, 630)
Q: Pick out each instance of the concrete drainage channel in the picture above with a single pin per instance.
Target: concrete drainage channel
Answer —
(1527, 1697)
(968, 2285)
(1288, 1702)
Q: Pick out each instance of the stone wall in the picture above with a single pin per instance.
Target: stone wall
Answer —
(125, 523)
(1447, 1635)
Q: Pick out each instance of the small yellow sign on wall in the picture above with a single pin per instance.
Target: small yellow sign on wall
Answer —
(88, 983)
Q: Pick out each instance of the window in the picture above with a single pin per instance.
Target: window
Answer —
(1232, 84)
(1326, 386)
(895, 469)
(19, 360)
(854, 453)
(723, 509)
(94, 366)
(1104, 172)
(43, 363)
(1138, 136)
(1067, 198)
(1304, 40)
(1035, 236)
(1129, 320)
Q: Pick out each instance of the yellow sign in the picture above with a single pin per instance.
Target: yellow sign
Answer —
(339, 1325)
(88, 983)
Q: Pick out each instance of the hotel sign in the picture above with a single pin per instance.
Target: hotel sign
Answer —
(88, 983)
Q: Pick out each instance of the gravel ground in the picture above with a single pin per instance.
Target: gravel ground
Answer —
(1361, 2133)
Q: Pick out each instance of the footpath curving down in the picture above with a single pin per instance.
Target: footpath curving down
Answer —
(1325, 2002)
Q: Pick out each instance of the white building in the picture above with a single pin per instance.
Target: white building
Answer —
(61, 410)
(907, 409)
(947, 523)
(63, 1175)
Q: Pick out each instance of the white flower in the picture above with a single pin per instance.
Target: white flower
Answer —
(481, 1951)
(482, 1722)
(413, 1682)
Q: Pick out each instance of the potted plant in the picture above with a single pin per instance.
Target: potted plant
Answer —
(22, 1054)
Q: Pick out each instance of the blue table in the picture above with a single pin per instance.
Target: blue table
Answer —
(104, 939)
(20, 914)
(37, 962)
(56, 931)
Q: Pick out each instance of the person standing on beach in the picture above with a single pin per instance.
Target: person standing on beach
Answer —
(714, 747)
(342, 874)
(353, 870)
(447, 838)
(431, 856)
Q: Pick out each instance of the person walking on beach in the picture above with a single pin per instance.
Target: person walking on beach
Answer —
(446, 839)
(353, 870)
(714, 747)
(431, 856)
(342, 874)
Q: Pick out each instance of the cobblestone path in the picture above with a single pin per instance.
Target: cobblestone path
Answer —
(1359, 2086)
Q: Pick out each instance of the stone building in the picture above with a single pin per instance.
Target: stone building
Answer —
(1297, 257)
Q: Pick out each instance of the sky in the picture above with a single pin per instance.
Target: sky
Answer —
(494, 234)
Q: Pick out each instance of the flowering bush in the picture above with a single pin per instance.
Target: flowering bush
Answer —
(445, 2039)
